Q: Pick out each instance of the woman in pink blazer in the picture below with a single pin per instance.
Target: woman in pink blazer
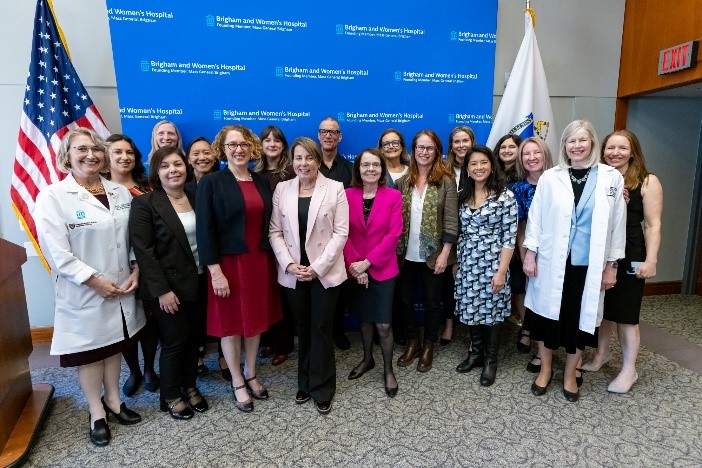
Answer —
(375, 225)
(309, 227)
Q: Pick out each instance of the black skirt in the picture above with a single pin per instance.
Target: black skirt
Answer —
(372, 304)
(622, 303)
(565, 332)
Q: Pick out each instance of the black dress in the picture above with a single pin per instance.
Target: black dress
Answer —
(622, 303)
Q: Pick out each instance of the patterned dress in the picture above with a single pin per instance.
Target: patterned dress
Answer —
(484, 233)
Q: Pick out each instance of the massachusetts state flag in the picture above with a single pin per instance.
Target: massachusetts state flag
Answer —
(55, 102)
(525, 109)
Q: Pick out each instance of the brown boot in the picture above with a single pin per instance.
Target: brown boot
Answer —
(427, 357)
(411, 351)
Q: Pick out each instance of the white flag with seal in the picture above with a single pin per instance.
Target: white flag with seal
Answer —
(525, 109)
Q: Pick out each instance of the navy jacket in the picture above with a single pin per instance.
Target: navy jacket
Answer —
(221, 215)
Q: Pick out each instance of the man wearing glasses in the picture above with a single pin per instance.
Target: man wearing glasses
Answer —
(337, 168)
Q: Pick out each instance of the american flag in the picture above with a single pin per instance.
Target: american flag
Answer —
(55, 102)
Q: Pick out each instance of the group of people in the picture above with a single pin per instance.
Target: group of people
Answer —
(287, 236)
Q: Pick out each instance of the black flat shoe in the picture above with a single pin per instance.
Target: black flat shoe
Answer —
(125, 416)
(445, 342)
(302, 397)
(132, 384)
(324, 407)
(521, 347)
(570, 396)
(193, 393)
(100, 434)
(202, 369)
(181, 415)
(540, 391)
(355, 375)
(259, 395)
(534, 368)
(389, 391)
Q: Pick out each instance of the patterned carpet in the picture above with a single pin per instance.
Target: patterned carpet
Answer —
(440, 418)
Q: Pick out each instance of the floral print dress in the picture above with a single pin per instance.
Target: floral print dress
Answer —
(483, 234)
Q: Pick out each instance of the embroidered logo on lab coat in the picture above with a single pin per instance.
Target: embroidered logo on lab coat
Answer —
(80, 214)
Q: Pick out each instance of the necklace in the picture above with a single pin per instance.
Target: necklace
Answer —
(175, 198)
(246, 178)
(94, 191)
(575, 179)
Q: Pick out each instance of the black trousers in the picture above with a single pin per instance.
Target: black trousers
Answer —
(431, 284)
(313, 308)
(179, 347)
(281, 335)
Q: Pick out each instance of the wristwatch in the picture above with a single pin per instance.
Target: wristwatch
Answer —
(613, 264)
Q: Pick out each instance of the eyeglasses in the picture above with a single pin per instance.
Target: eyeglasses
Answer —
(324, 131)
(233, 146)
(422, 149)
(85, 149)
(374, 165)
(392, 143)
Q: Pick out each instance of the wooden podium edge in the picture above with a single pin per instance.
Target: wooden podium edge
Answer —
(23, 436)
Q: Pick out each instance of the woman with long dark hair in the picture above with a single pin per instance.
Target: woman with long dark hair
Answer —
(488, 228)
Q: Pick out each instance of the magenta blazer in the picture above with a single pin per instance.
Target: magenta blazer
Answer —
(376, 239)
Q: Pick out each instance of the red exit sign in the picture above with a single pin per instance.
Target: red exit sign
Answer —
(679, 57)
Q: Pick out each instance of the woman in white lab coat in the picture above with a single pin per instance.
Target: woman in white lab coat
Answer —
(574, 236)
(82, 223)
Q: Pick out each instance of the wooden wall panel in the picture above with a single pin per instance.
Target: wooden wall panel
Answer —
(649, 27)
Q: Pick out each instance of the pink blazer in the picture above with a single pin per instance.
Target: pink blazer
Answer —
(327, 230)
(376, 239)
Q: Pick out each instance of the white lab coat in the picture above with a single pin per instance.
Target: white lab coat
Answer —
(80, 237)
(548, 232)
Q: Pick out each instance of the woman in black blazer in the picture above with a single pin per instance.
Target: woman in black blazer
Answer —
(162, 230)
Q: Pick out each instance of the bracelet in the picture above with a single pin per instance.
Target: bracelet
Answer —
(218, 278)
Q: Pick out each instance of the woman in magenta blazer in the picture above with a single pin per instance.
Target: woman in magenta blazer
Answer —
(375, 225)
(309, 227)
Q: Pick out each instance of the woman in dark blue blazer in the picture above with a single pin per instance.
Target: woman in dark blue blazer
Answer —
(162, 230)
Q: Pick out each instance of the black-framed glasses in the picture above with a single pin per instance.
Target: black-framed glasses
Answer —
(422, 149)
(324, 131)
(391, 143)
(233, 146)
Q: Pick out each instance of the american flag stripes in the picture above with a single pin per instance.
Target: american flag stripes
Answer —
(55, 102)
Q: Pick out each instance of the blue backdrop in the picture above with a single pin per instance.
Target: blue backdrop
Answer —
(404, 64)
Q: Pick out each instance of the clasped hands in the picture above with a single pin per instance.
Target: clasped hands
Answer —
(358, 270)
(302, 273)
(109, 290)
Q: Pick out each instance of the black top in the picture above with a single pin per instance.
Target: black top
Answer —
(367, 206)
(578, 188)
(303, 209)
(340, 171)
(221, 215)
(635, 242)
(161, 246)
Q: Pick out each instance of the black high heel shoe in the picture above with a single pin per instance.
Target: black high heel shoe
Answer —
(193, 393)
(181, 415)
(125, 416)
(243, 406)
(445, 342)
(100, 434)
(540, 391)
(579, 380)
(259, 395)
